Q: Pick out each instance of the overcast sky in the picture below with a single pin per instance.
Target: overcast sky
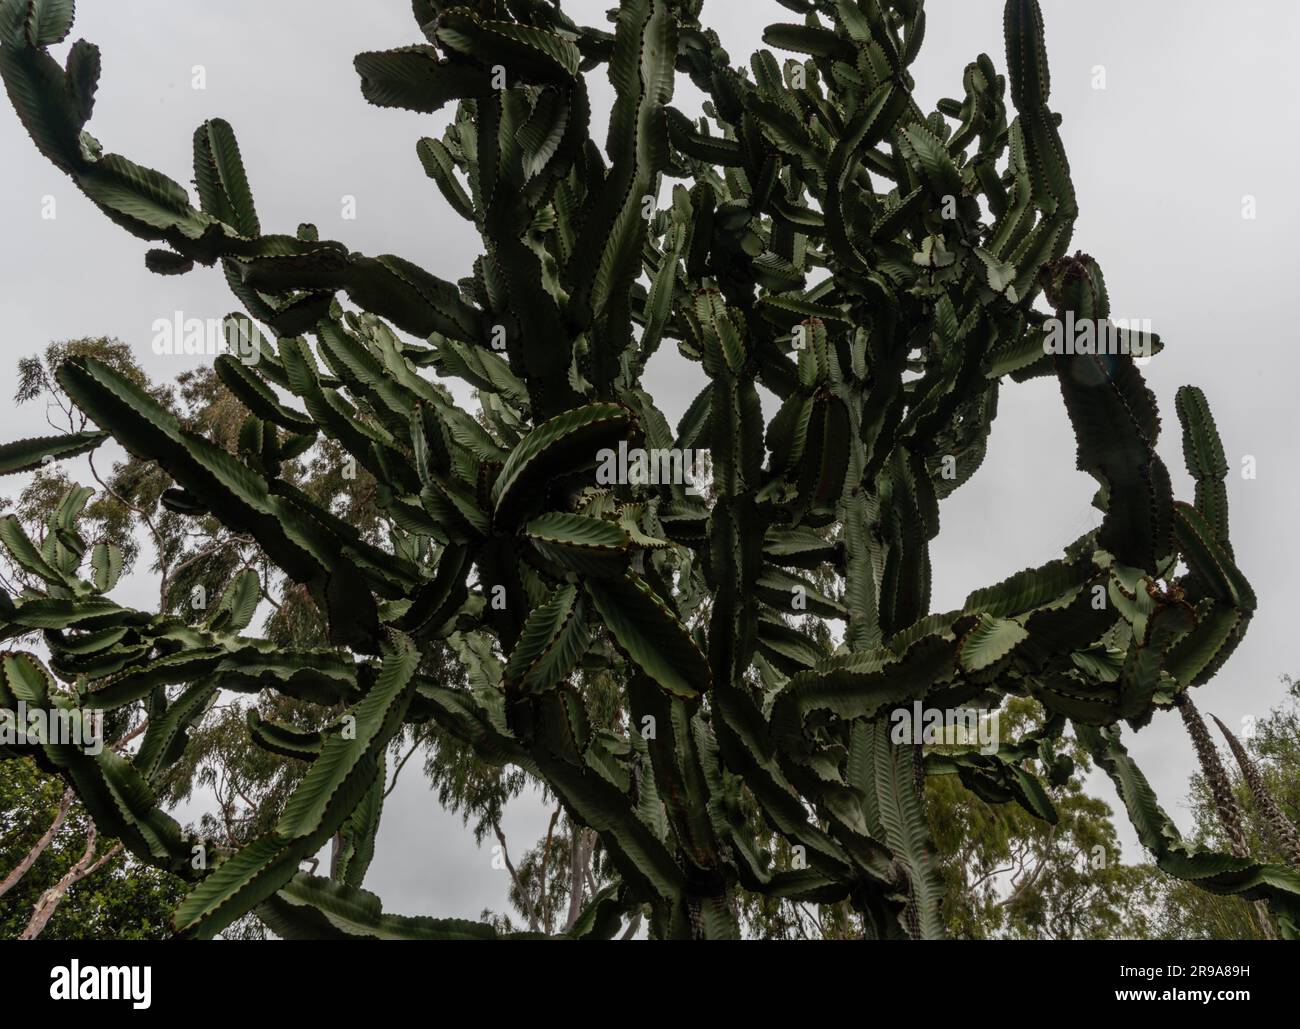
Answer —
(1199, 112)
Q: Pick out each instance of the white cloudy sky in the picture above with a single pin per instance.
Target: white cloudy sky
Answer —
(1200, 110)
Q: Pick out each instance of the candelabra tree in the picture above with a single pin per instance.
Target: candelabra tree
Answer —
(883, 272)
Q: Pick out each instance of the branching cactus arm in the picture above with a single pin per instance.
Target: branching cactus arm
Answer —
(825, 240)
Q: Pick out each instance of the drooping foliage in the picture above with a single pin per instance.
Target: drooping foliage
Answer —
(881, 271)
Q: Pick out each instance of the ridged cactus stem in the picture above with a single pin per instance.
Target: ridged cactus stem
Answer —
(609, 621)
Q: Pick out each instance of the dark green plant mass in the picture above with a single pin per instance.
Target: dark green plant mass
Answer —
(877, 269)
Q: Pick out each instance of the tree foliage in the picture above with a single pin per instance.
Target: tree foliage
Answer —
(123, 899)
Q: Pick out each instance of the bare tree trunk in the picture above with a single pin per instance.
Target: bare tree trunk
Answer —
(632, 926)
(1028, 881)
(533, 908)
(581, 849)
(336, 846)
(543, 899)
(51, 899)
(11, 880)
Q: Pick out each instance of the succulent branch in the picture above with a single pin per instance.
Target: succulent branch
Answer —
(633, 639)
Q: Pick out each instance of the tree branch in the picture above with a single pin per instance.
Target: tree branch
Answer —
(11, 880)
